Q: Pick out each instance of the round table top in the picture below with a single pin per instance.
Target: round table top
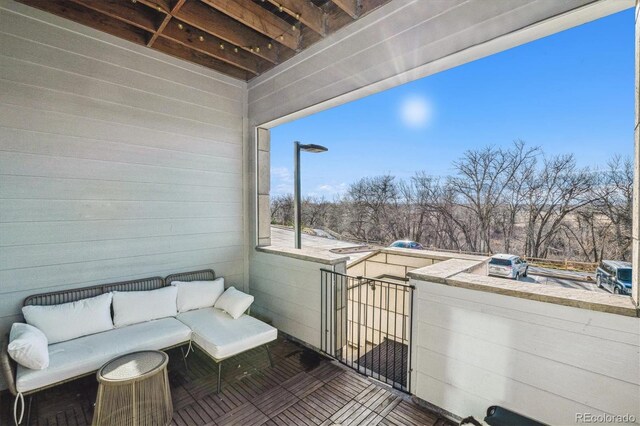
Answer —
(133, 366)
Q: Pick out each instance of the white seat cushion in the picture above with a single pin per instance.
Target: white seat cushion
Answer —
(86, 354)
(222, 336)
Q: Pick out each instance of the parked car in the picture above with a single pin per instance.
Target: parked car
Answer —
(614, 276)
(407, 244)
(508, 266)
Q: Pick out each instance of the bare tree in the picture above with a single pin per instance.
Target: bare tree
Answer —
(557, 190)
(499, 198)
(282, 209)
(617, 203)
(483, 178)
(314, 211)
(372, 200)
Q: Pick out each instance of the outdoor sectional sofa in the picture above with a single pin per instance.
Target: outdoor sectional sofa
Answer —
(213, 331)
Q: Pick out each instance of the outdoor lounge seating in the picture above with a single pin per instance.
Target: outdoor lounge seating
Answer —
(216, 333)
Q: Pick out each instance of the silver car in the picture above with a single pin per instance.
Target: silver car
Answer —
(508, 266)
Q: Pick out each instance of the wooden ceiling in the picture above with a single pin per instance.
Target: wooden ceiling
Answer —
(240, 38)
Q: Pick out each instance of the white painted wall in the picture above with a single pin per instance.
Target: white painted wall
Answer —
(287, 292)
(474, 349)
(116, 161)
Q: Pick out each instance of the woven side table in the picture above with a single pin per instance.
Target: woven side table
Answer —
(134, 391)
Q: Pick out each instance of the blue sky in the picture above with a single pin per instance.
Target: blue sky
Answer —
(572, 92)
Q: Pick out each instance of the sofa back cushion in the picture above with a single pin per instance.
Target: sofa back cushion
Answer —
(71, 320)
(198, 294)
(132, 307)
(28, 346)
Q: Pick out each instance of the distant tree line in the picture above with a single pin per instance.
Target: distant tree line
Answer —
(516, 200)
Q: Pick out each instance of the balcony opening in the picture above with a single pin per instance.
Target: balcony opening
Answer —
(528, 153)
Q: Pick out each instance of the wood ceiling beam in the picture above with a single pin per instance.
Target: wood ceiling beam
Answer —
(172, 48)
(304, 11)
(218, 24)
(131, 13)
(91, 18)
(176, 7)
(367, 6)
(350, 7)
(205, 43)
(160, 5)
(260, 19)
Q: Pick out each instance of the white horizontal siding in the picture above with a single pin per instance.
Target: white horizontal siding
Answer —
(116, 162)
(287, 291)
(474, 349)
(405, 40)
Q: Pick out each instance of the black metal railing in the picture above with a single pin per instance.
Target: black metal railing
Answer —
(367, 324)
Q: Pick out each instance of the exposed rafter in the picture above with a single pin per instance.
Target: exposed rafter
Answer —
(222, 26)
(303, 11)
(129, 12)
(256, 17)
(175, 49)
(350, 7)
(198, 40)
(240, 38)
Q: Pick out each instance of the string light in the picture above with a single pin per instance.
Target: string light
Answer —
(269, 46)
(180, 27)
(201, 38)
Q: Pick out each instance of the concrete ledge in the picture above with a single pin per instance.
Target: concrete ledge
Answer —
(455, 273)
(310, 255)
(439, 272)
(431, 254)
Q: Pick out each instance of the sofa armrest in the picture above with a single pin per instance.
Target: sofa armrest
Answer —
(8, 366)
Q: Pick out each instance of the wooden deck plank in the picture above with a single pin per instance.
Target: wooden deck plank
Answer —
(245, 415)
(275, 401)
(379, 400)
(302, 384)
(302, 389)
(406, 414)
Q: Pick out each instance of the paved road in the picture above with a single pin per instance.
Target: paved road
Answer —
(561, 282)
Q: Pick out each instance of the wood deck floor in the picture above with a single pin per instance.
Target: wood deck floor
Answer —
(302, 388)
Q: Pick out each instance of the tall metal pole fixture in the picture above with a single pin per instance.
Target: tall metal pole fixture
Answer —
(297, 207)
(297, 203)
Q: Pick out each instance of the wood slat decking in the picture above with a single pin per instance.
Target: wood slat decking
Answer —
(303, 388)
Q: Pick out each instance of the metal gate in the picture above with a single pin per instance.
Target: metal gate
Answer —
(366, 325)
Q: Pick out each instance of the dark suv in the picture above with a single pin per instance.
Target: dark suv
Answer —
(614, 276)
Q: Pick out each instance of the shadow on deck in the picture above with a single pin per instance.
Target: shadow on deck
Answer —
(303, 388)
(389, 360)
